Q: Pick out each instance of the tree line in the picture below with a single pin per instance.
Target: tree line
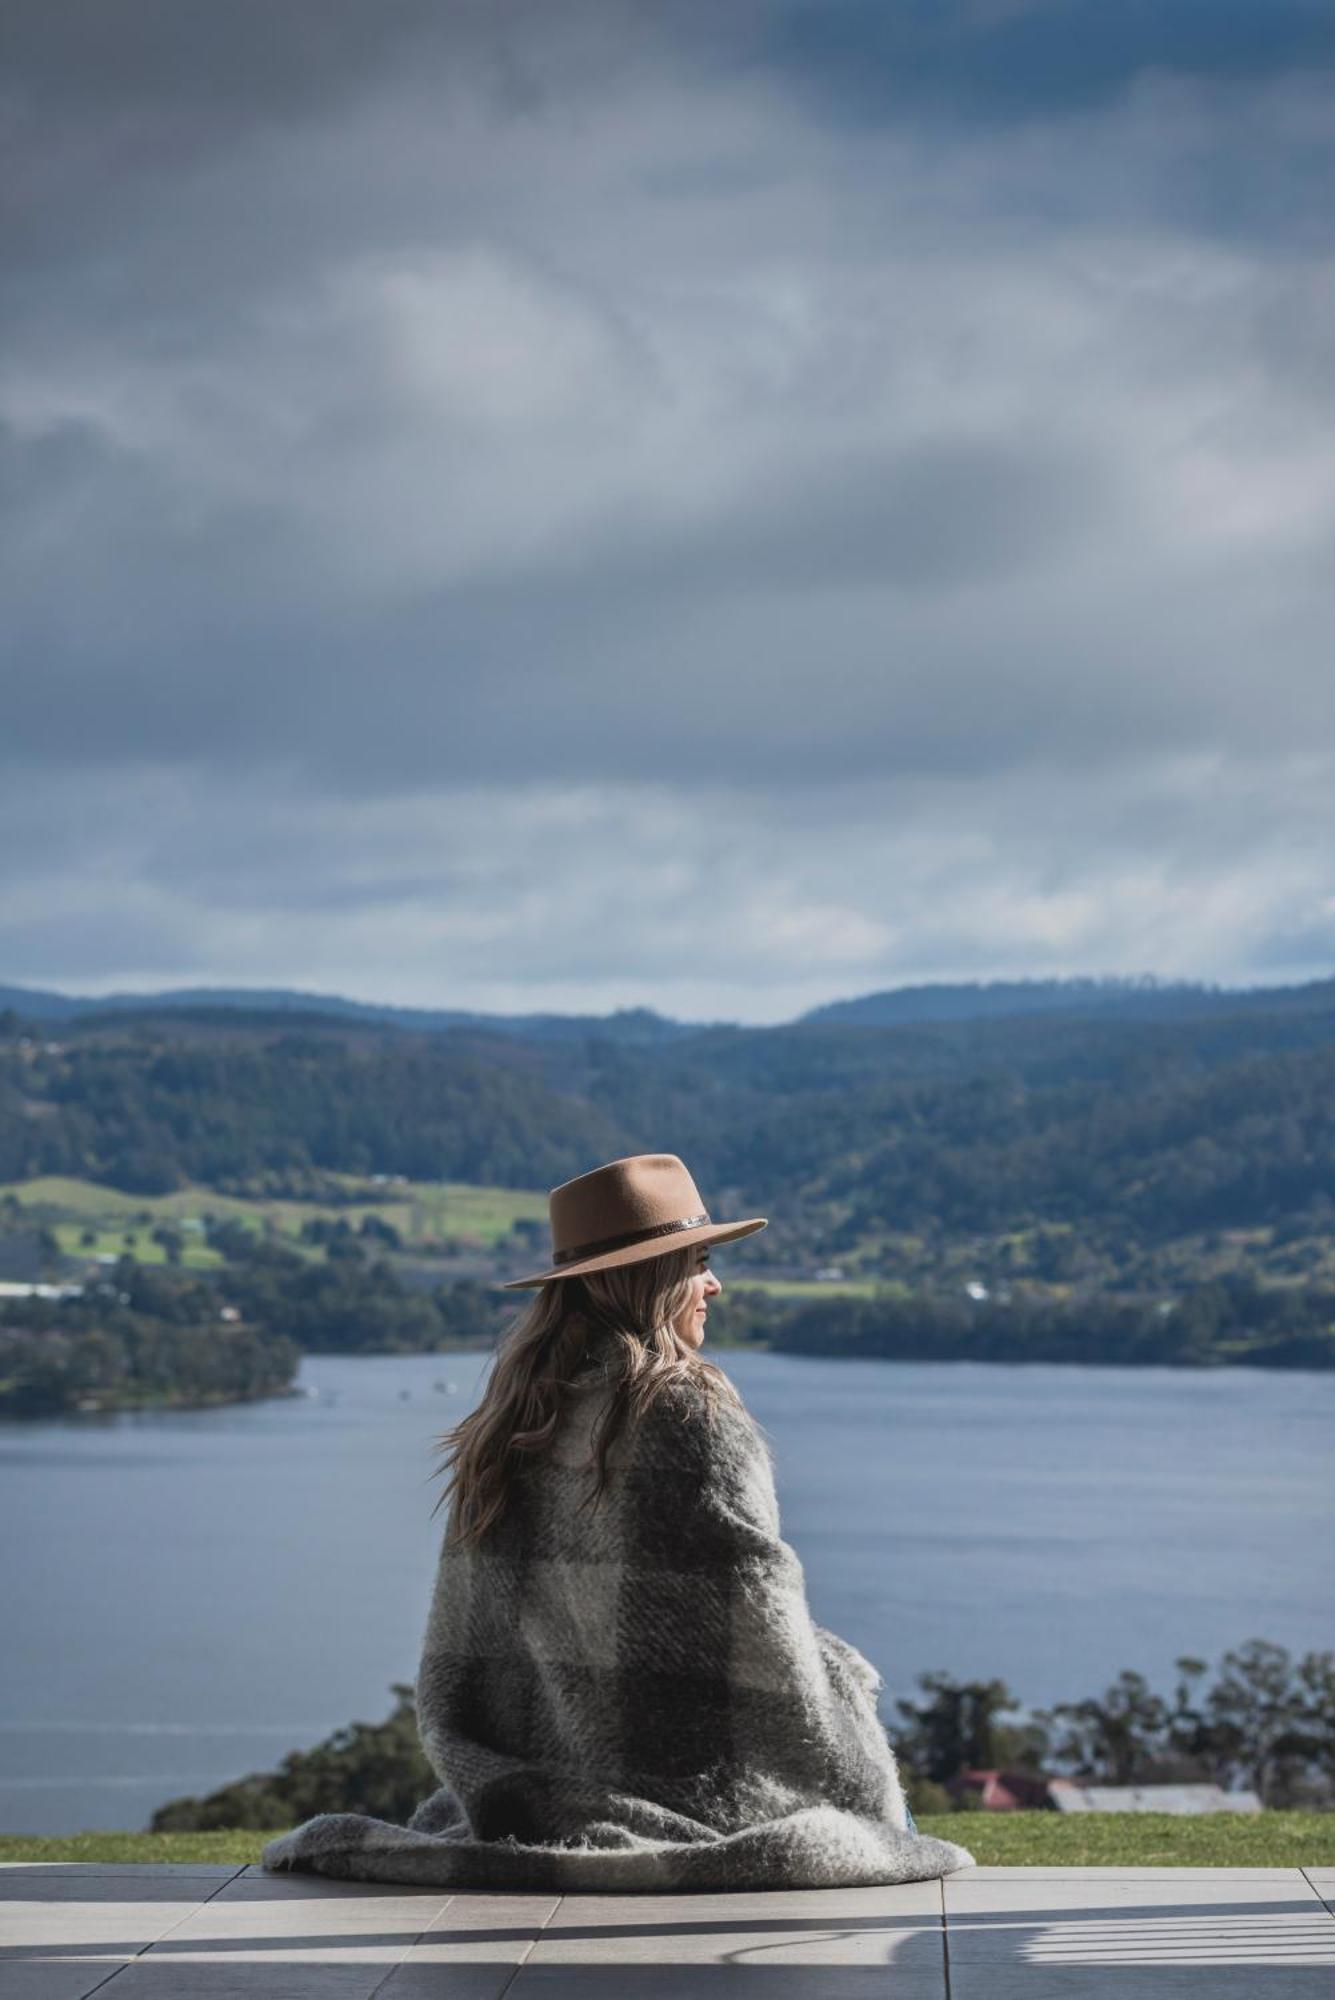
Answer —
(147, 1335)
(1127, 1133)
(1265, 1722)
(1230, 1320)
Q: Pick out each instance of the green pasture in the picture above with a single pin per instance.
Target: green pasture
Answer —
(427, 1214)
(995, 1839)
(135, 1240)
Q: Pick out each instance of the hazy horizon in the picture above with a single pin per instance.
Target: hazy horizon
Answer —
(446, 1004)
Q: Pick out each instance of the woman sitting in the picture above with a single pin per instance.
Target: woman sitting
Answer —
(621, 1685)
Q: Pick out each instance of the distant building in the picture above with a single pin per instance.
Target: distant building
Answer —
(1032, 1791)
(1068, 1796)
(830, 1274)
(11, 1290)
(975, 1289)
(1003, 1791)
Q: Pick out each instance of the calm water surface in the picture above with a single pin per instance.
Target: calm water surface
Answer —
(188, 1596)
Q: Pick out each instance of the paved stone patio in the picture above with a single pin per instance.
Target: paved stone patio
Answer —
(69, 1929)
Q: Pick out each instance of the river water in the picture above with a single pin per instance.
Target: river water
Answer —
(185, 1597)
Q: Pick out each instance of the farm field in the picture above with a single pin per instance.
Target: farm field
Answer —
(90, 1220)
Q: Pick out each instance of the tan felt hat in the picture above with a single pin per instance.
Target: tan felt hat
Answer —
(638, 1207)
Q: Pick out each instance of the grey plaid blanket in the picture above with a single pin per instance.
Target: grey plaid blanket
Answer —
(635, 1697)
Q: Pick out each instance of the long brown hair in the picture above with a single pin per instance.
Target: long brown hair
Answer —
(622, 1318)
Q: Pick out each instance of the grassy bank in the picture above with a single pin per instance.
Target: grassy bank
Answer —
(1022, 1839)
(1141, 1840)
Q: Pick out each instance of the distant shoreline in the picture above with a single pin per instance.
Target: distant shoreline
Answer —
(166, 1404)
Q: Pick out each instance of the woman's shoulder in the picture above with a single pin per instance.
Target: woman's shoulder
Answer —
(696, 1420)
(706, 1464)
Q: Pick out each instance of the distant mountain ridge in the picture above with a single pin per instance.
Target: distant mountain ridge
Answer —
(633, 1025)
(1140, 996)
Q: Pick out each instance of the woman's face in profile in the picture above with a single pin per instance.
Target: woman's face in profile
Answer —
(690, 1322)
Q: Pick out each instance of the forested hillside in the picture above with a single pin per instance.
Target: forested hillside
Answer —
(1103, 1140)
(1081, 1186)
(1126, 1131)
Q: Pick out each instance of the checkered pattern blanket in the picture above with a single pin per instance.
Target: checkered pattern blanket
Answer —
(636, 1697)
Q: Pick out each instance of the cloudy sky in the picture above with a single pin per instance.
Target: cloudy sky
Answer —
(707, 506)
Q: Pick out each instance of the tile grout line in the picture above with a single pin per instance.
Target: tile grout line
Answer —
(144, 1949)
(533, 1944)
(1327, 1905)
(412, 1945)
(945, 1933)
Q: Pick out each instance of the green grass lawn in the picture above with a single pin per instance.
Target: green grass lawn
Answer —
(1006, 1840)
(1141, 1840)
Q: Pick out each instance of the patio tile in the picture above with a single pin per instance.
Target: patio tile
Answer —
(1139, 1982)
(907, 1899)
(247, 1910)
(139, 1870)
(21, 1886)
(722, 1980)
(471, 1950)
(54, 1979)
(162, 1932)
(843, 1943)
(1140, 1939)
(102, 1922)
(67, 1928)
(919, 1896)
(155, 1977)
(476, 1925)
(1323, 1881)
(347, 1941)
(1204, 1888)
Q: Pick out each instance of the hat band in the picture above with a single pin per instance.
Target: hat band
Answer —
(581, 1250)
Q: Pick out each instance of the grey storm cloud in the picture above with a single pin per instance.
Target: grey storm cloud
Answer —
(463, 461)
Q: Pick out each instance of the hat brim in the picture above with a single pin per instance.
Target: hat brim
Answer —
(636, 1253)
